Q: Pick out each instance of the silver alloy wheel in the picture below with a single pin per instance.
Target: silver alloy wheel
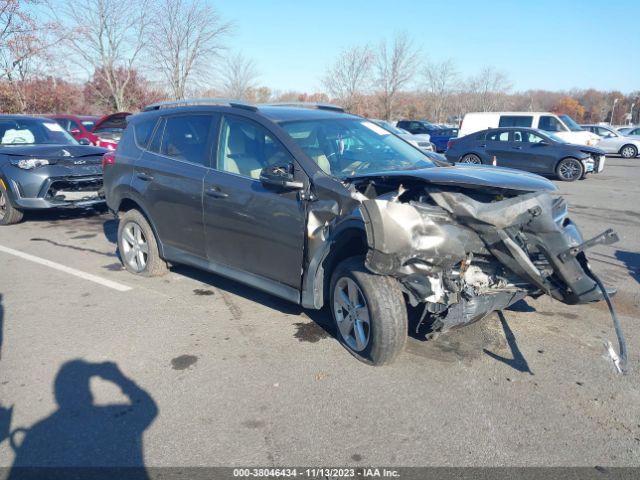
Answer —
(3, 206)
(135, 248)
(352, 314)
(628, 152)
(570, 169)
(472, 159)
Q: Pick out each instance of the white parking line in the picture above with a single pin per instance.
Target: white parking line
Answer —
(72, 271)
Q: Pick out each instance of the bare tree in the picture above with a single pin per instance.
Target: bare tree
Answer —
(395, 65)
(440, 81)
(349, 77)
(489, 90)
(108, 39)
(186, 37)
(24, 39)
(238, 76)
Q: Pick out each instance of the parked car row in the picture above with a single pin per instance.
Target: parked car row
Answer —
(318, 207)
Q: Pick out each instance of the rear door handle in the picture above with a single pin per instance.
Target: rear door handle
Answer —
(483, 146)
(517, 148)
(144, 176)
(215, 192)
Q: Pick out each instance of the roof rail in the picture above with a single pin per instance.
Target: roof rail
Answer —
(225, 102)
(319, 106)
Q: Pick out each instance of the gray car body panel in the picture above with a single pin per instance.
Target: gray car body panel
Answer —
(77, 166)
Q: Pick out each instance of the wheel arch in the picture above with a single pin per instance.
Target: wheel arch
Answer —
(349, 239)
(629, 145)
(128, 203)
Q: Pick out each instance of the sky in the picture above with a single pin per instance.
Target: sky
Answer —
(545, 44)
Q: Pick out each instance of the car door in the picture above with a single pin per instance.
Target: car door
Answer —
(253, 232)
(497, 145)
(531, 152)
(169, 177)
(609, 142)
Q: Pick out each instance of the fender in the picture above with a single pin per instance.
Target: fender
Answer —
(314, 280)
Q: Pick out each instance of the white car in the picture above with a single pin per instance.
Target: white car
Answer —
(613, 141)
(561, 126)
(629, 130)
(421, 141)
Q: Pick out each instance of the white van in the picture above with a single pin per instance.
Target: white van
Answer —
(562, 126)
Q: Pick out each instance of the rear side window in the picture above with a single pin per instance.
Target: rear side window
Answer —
(186, 138)
(143, 130)
(515, 121)
(157, 138)
(498, 136)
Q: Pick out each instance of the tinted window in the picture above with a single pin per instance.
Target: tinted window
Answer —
(143, 131)
(157, 137)
(185, 138)
(245, 148)
(530, 137)
(498, 136)
(550, 124)
(515, 121)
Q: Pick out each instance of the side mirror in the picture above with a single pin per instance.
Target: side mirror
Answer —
(544, 143)
(280, 176)
(84, 141)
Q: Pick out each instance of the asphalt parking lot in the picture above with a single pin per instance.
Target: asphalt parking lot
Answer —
(220, 374)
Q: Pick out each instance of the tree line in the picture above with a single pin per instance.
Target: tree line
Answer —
(140, 51)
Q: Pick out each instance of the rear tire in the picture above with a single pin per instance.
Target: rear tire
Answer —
(629, 151)
(138, 246)
(369, 313)
(471, 158)
(570, 169)
(9, 214)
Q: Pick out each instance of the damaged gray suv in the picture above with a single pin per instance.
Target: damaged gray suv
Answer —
(321, 207)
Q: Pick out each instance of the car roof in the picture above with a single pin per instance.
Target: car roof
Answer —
(278, 113)
(75, 117)
(23, 117)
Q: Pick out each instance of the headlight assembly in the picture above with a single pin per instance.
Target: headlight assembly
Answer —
(29, 163)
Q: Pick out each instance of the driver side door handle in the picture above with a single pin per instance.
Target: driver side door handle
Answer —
(215, 192)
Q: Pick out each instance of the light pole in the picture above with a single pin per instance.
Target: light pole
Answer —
(631, 113)
(613, 109)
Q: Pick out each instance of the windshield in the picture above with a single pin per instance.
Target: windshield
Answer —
(349, 147)
(569, 122)
(33, 131)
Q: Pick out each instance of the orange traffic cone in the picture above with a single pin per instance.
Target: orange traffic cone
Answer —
(494, 161)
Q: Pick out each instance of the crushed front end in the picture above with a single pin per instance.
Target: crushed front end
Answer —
(466, 252)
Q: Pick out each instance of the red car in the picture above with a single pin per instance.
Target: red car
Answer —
(103, 132)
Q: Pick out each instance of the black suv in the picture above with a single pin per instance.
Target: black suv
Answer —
(321, 207)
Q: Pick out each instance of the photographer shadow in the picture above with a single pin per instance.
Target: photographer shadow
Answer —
(84, 440)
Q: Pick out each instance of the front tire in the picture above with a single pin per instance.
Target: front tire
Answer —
(629, 151)
(569, 169)
(369, 313)
(138, 246)
(9, 214)
(471, 158)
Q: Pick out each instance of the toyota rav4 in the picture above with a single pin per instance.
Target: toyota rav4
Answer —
(321, 207)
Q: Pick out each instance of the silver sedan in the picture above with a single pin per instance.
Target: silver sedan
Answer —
(613, 141)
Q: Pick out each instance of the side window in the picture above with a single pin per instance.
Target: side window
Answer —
(157, 138)
(143, 130)
(550, 124)
(515, 121)
(499, 136)
(73, 125)
(245, 148)
(530, 137)
(185, 138)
